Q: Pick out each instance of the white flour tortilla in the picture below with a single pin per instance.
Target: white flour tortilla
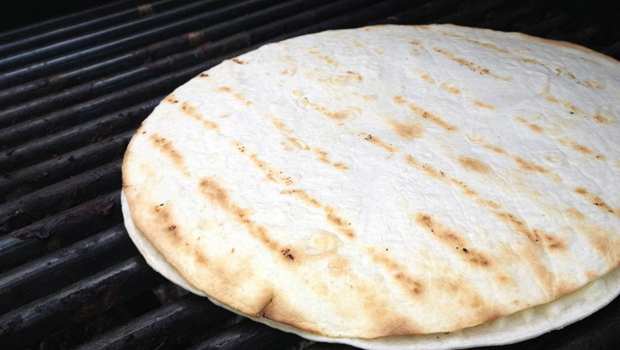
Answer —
(387, 180)
(510, 329)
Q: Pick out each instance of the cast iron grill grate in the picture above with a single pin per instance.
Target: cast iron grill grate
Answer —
(73, 91)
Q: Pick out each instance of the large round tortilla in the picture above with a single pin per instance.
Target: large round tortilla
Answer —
(386, 181)
(522, 325)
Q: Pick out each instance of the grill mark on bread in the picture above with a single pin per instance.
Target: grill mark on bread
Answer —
(535, 128)
(531, 61)
(278, 124)
(369, 303)
(453, 239)
(480, 104)
(562, 288)
(166, 147)
(440, 176)
(553, 242)
(580, 148)
(485, 45)
(599, 239)
(491, 204)
(592, 83)
(369, 98)
(304, 196)
(575, 213)
(343, 79)
(279, 310)
(424, 114)
(407, 39)
(163, 218)
(411, 285)
(473, 164)
(475, 139)
(516, 224)
(321, 155)
(238, 61)
(239, 97)
(461, 295)
(409, 131)
(574, 109)
(291, 144)
(565, 141)
(215, 193)
(519, 226)
(495, 149)
(271, 173)
(589, 61)
(331, 213)
(324, 58)
(447, 87)
(345, 114)
(472, 66)
(597, 201)
(424, 76)
(172, 99)
(192, 112)
(530, 166)
(378, 142)
(563, 71)
(343, 226)
(392, 324)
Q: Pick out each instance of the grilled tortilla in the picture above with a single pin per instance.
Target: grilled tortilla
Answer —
(522, 325)
(386, 181)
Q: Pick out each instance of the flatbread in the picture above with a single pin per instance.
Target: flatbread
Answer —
(522, 325)
(386, 181)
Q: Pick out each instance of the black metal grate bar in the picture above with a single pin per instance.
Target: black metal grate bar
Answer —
(14, 135)
(421, 12)
(76, 302)
(89, 26)
(168, 326)
(612, 50)
(55, 49)
(248, 335)
(59, 230)
(63, 267)
(11, 135)
(65, 21)
(506, 20)
(328, 346)
(100, 51)
(69, 139)
(60, 196)
(61, 167)
(150, 53)
(470, 14)
(134, 76)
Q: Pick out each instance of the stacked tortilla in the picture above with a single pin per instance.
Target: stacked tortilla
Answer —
(385, 185)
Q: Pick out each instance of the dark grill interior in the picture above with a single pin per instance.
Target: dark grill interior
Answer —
(72, 92)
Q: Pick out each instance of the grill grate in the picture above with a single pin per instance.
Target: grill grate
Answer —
(73, 90)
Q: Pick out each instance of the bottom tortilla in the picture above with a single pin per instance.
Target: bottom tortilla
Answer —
(520, 326)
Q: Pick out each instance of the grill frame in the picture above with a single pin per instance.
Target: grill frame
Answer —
(72, 96)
